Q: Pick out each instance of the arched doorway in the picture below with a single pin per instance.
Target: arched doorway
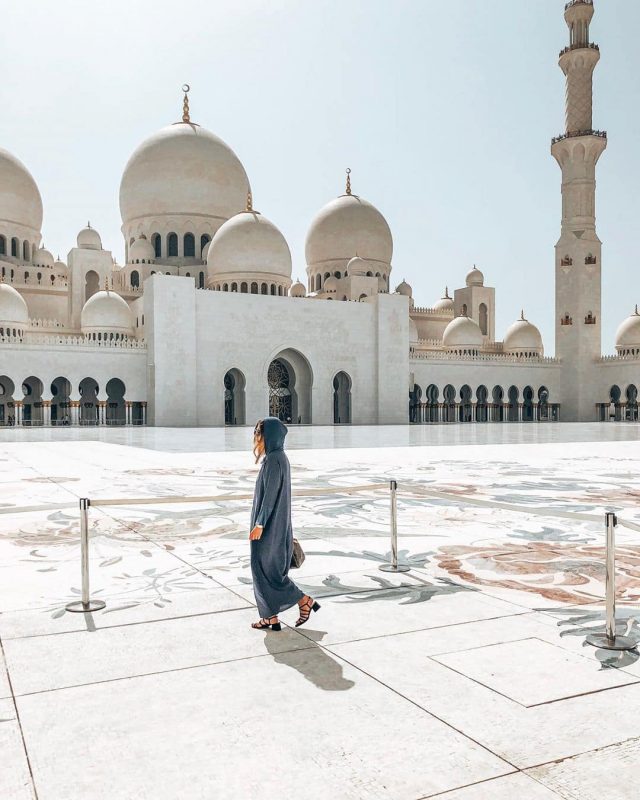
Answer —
(632, 403)
(415, 396)
(341, 399)
(88, 401)
(91, 284)
(234, 384)
(466, 408)
(482, 409)
(431, 403)
(615, 409)
(60, 404)
(483, 318)
(543, 403)
(513, 396)
(32, 402)
(116, 410)
(497, 396)
(7, 405)
(290, 380)
(527, 406)
(449, 406)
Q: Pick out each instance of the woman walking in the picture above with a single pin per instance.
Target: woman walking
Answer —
(271, 532)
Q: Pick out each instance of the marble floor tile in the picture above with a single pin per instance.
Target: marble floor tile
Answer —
(292, 725)
(5, 688)
(611, 772)
(511, 787)
(524, 736)
(15, 780)
(177, 604)
(43, 663)
(532, 672)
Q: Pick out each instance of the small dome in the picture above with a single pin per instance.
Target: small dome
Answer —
(358, 266)
(445, 303)
(205, 250)
(59, 265)
(523, 337)
(20, 200)
(413, 332)
(628, 334)
(141, 251)
(331, 284)
(405, 289)
(89, 239)
(345, 226)
(249, 244)
(13, 309)
(43, 258)
(475, 277)
(462, 333)
(106, 312)
(298, 290)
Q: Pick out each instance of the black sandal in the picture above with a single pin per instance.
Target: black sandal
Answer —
(264, 623)
(305, 610)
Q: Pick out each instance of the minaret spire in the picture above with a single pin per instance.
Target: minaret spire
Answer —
(185, 103)
(348, 189)
(578, 251)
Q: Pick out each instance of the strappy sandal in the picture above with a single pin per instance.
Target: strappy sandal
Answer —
(305, 610)
(265, 623)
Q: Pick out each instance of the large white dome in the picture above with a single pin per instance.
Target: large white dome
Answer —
(462, 333)
(89, 239)
(523, 337)
(13, 309)
(20, 200)
(628, 335)
(183, 169)
(106, 312)
(346, 227)
(248, 245)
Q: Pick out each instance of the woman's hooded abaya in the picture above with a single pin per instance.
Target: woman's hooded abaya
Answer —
(271, 554)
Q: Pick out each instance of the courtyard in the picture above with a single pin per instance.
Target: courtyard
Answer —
(465, 678)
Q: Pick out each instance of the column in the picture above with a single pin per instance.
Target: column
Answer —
(127, 412)
(74, 408)
(144, 412)
(46, 412)
(18, 410)
(519, 412)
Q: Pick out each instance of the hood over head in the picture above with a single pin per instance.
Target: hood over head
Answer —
(274, 433)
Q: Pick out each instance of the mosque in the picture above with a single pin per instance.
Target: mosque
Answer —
(203, 325)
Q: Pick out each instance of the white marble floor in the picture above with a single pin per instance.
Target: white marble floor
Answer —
(466, 678)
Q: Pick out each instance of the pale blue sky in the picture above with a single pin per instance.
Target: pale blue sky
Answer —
(443, 110)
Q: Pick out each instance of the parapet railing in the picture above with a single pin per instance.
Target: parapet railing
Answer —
(610, 640)
(573, 134)
(579, 46)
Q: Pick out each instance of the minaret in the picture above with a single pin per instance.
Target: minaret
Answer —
(578, 286)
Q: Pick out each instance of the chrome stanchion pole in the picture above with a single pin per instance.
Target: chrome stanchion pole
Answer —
(609, 640)
(86, 604)
(394, 566)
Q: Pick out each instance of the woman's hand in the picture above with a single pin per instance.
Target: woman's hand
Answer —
(256, 533)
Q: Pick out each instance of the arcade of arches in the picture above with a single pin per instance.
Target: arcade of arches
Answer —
(495, 405)
(622, 405)
(24, 405)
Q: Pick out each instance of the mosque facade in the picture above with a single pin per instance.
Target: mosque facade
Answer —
(202, 325)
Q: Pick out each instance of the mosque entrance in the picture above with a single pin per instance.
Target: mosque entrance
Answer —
(280, 400)
(289, 380)
(341, 398)
(234, 398)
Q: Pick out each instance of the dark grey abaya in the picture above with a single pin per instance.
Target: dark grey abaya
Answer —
(271, 554)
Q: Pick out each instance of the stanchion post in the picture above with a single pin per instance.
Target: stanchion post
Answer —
(86, 604)
(610, 641)
(394, 566)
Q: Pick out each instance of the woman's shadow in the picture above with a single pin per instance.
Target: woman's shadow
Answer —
(313, 662)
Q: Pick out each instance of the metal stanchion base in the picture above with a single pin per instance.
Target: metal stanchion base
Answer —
(619, 643)
(79, 607)
(391, 568)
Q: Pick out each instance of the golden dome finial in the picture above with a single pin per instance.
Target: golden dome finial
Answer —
(522, 314)
(637, 310)
(185, 103)
(249, 201)
(348, 180)
(446, 293)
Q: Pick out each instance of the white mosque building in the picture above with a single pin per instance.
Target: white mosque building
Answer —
(203, 326)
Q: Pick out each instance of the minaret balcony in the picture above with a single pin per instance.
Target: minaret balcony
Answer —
(573, 134)
(577, 3)
(579, 46)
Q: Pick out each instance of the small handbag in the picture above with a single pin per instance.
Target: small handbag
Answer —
(298, 556)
